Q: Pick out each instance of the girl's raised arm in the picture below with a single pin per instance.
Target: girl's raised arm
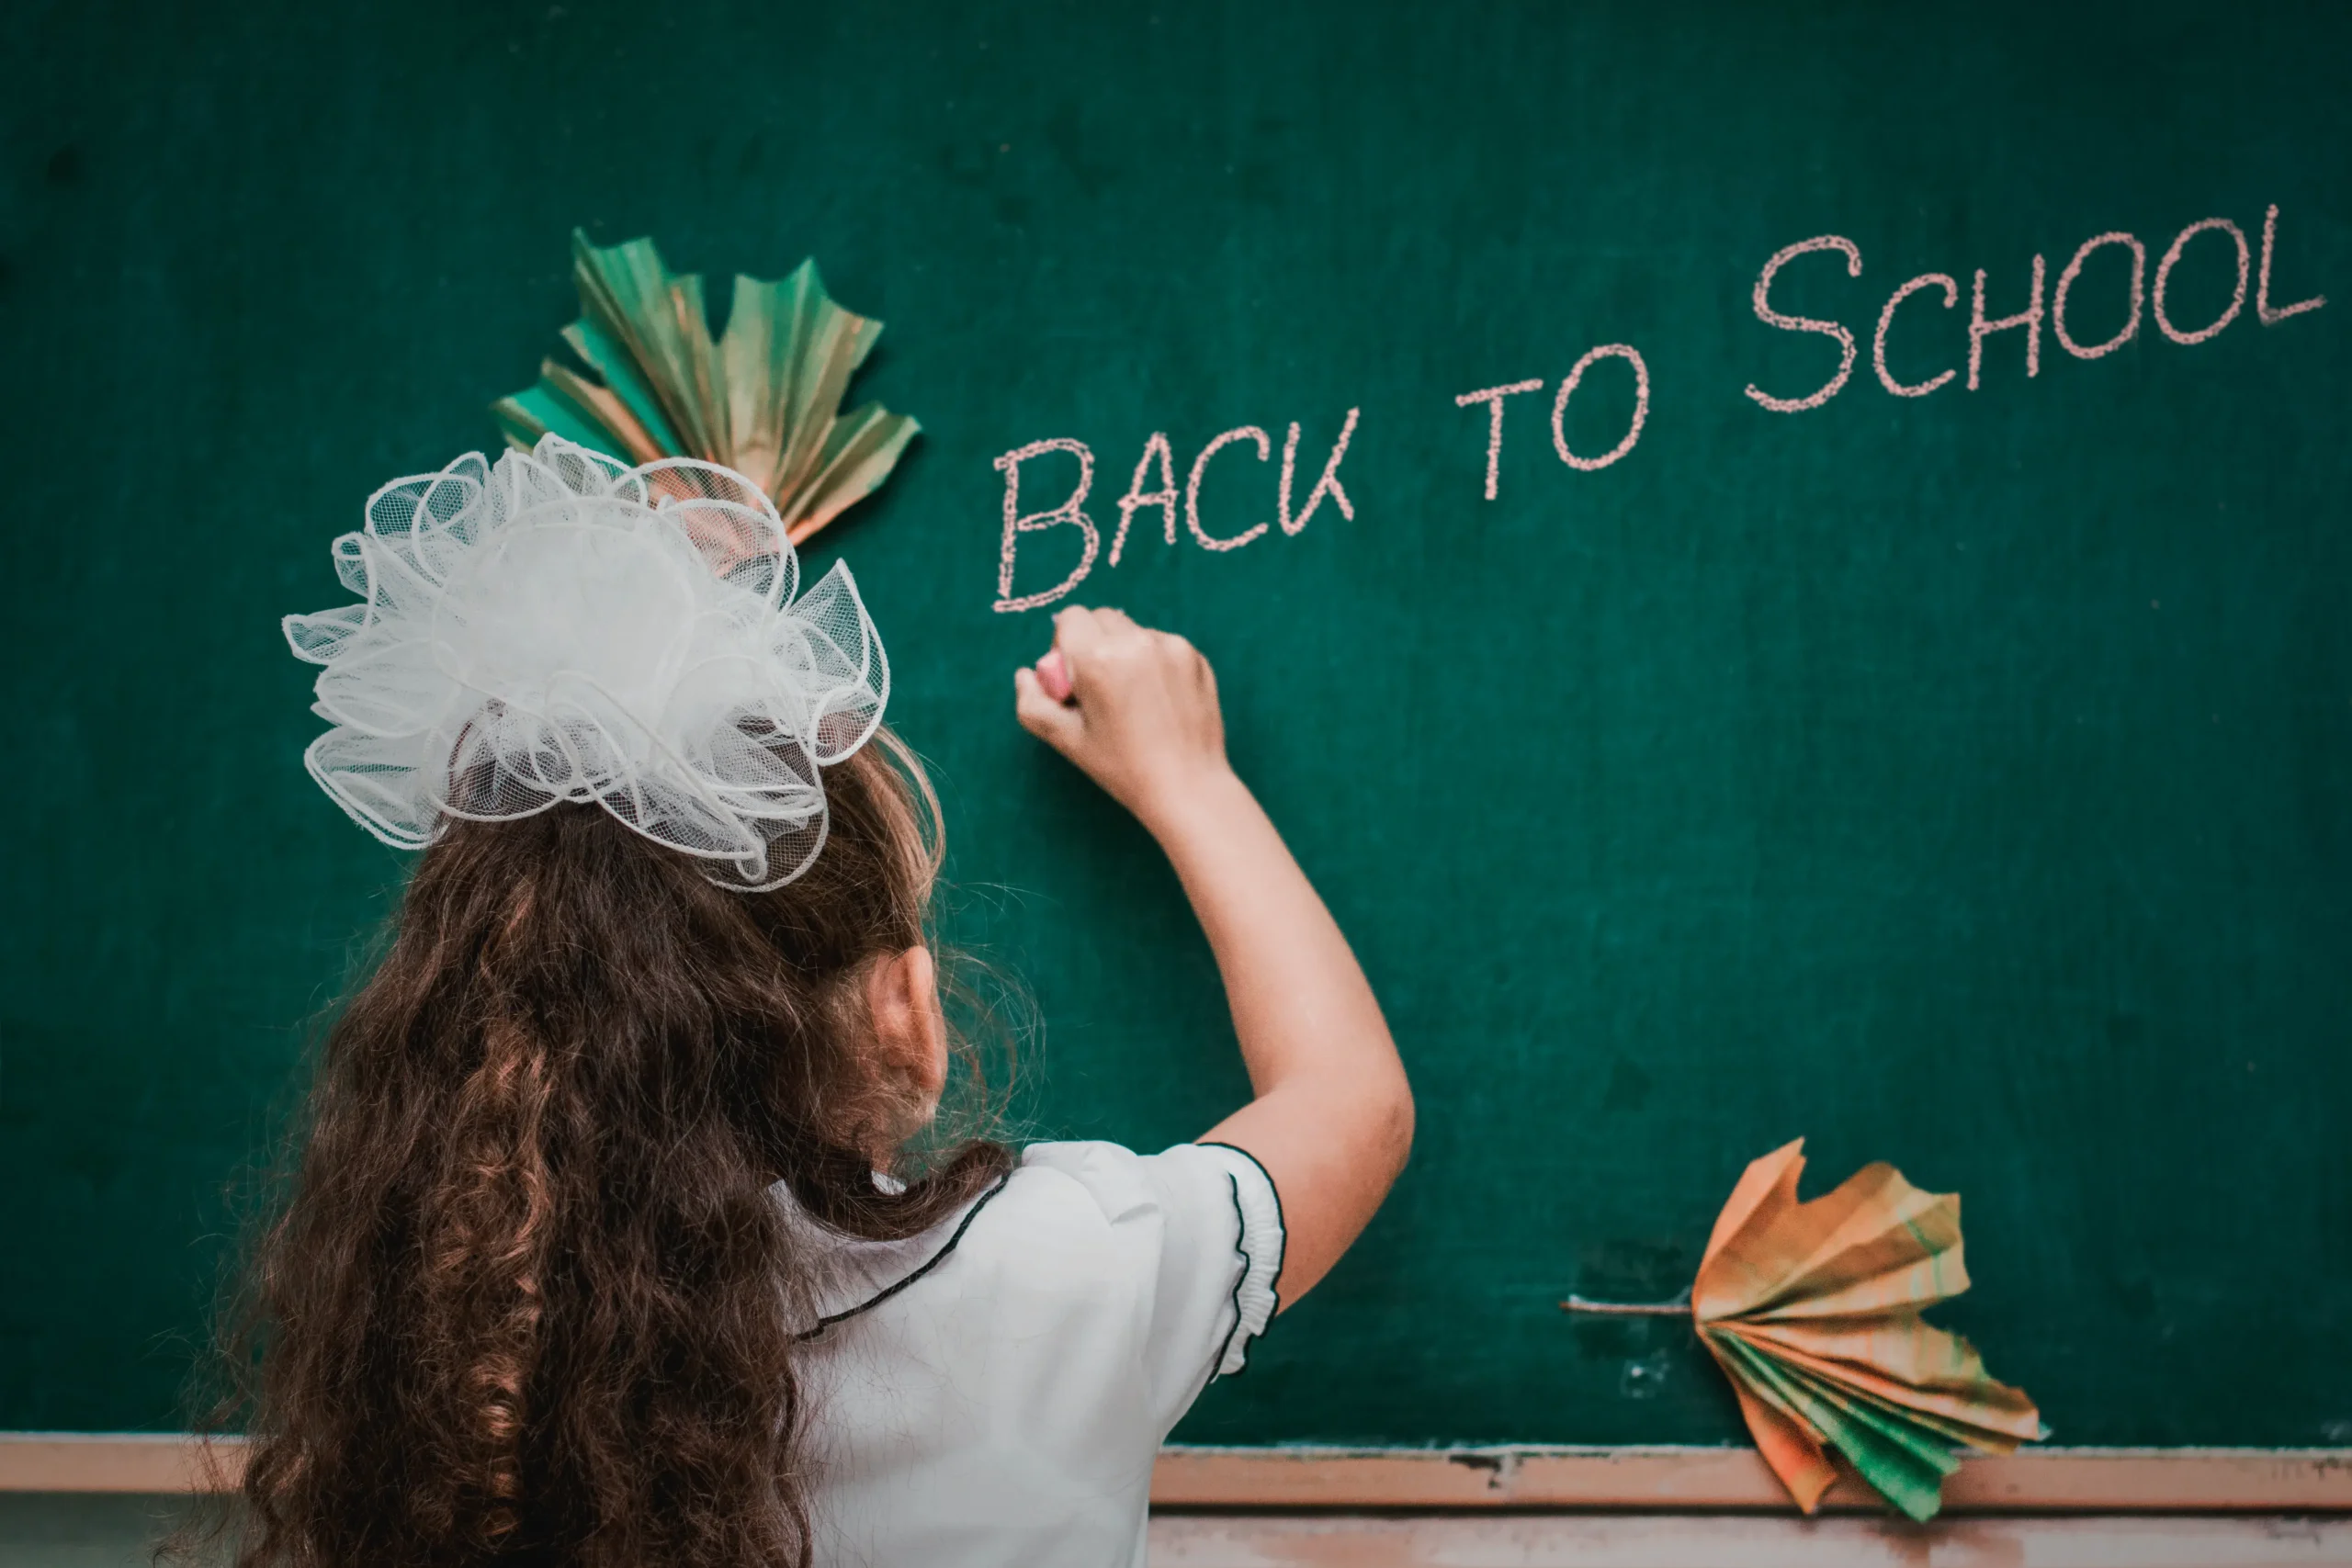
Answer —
(1333, 1119)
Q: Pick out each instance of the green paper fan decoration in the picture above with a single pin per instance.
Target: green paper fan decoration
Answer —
(764, 399)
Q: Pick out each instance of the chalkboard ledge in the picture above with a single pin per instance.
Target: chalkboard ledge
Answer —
(2044, 1480)
(2050, 1478)
(1453, 1538)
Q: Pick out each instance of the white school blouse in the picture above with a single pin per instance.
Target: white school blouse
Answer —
(992, 1391)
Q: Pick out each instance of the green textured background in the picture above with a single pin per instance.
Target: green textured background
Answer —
(1961, 781)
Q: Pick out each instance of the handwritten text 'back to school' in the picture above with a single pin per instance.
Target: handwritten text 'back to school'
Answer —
(1153, 486)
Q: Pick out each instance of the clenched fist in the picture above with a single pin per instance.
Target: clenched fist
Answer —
(1141, 718)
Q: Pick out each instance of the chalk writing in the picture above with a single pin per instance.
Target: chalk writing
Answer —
(1193, 487)
(1138, 498)
(2028, 319)
(1771, 318)
(1152, 485)
(2172, 259)
(1567, 390)
(1493, 398)
(1328, 485)
(1068, 513)
(2269, 317)
(2131, 327)
(1886, 319)
(1156, 467)
(1979, 329)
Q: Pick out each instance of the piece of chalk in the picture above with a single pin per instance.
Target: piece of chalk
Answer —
(1054, 676)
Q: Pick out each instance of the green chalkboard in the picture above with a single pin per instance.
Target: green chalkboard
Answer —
(1961, 779)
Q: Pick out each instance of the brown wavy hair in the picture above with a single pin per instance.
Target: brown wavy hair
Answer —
(527, 1299)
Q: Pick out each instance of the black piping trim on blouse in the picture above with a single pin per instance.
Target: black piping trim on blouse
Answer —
(1241, 1234)
(929, 1264)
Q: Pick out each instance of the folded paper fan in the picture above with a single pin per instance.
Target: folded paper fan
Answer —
(764, 399)
(1813, 1310)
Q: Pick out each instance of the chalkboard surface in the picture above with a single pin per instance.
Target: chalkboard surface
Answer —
(1961, 777)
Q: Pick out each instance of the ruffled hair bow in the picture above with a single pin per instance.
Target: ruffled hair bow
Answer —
(559, 626)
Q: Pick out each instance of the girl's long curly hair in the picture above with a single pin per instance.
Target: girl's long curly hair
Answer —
(529, 1299)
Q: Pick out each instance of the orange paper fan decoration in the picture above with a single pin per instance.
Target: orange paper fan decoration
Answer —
(1812, 1310)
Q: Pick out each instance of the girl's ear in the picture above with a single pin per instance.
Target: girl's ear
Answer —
(909, 1030)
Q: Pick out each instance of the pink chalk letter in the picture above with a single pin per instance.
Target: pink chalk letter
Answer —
(1192, 487)
(1979, 329)
(1017, 523)
(1567, 390)
(1493, 398)
(1771, 318)
(1886, 319)
(2262, 308)
(1138, 498)
(2067, 281)
(1328, 485)
(2172, 259)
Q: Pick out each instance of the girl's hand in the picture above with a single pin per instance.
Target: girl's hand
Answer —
(1141, 719)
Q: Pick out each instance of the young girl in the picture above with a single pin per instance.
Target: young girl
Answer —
(602, 1249)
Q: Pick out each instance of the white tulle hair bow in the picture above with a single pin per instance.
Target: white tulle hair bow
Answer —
(557, 627)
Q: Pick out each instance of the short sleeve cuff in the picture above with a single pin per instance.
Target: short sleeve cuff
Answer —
(1258, 1211)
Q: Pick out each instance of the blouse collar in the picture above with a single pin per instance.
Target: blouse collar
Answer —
(851, 1274)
